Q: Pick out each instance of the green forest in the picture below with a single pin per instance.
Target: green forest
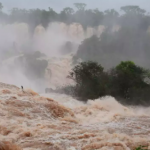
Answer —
(79, 14)
(127, 82)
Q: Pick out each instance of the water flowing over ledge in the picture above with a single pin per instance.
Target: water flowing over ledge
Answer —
(36, 122)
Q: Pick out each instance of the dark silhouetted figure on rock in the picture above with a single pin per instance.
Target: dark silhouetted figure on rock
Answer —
(22, 88)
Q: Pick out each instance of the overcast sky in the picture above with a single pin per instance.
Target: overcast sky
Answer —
(59, 4)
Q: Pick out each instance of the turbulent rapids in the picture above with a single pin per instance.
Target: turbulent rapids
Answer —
(30, 120)
(34, 121)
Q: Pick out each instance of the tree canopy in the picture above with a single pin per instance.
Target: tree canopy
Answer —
(126, 82)
(86, 17)
(90, 80)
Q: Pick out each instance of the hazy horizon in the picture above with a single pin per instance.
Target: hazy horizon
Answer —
(58, 5)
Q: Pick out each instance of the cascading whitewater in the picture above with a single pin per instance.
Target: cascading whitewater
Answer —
(33, 121)
(48, 41)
